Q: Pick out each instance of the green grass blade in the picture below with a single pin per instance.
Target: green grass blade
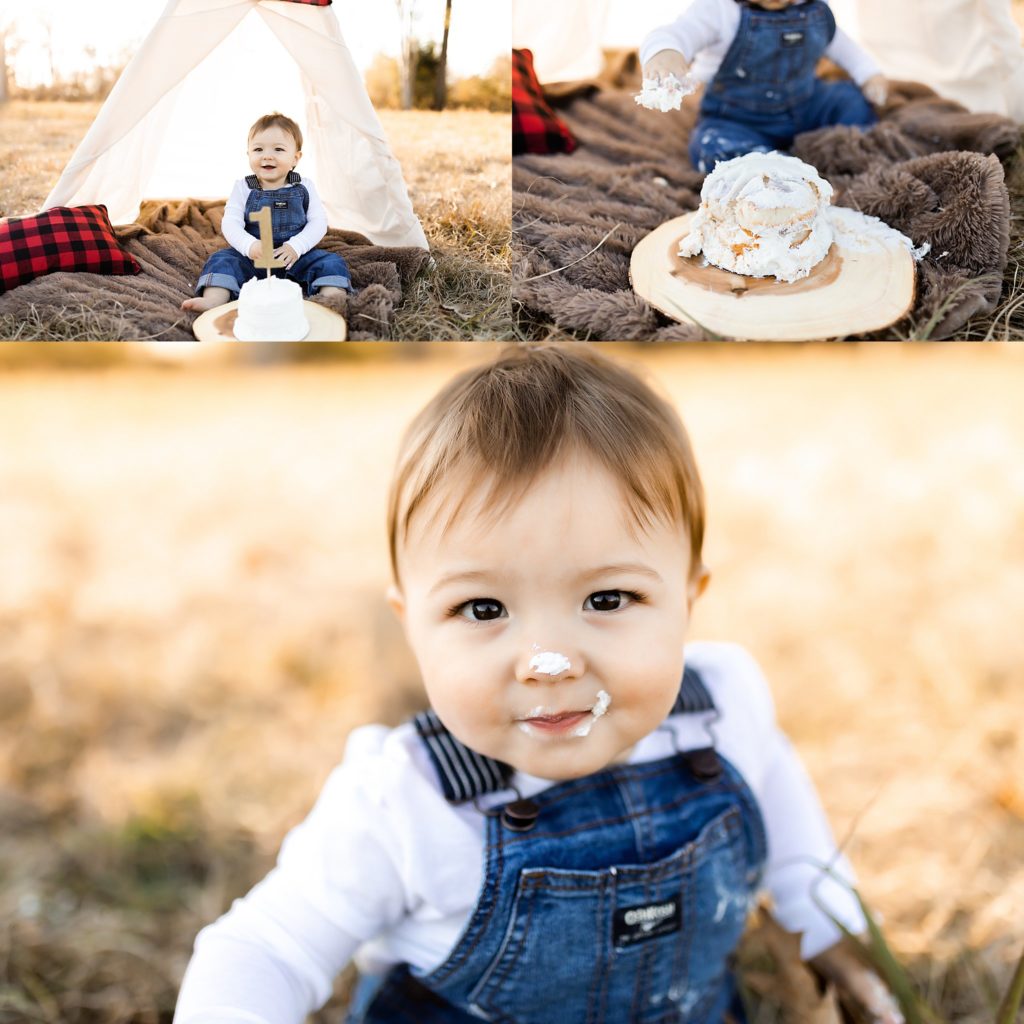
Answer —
(1010, 1006)
(876, 952)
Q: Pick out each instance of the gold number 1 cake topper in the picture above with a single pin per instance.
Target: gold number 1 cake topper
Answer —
(266, 258)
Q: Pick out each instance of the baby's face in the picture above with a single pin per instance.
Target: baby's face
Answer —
(272, 154)
(549, 636)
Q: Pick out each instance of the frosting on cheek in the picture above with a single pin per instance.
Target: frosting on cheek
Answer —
(604, 701)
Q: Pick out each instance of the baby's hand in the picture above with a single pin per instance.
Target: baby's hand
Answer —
(255, 249)
(876, 90)
(858, 983)
(667, 62)
(287, 253)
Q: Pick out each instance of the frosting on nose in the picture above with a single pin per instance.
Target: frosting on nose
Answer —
(549, 663)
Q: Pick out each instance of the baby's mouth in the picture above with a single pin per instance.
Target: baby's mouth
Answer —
(558, 723)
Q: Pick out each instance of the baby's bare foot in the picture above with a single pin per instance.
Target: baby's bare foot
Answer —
(201, 302)
(212, 296)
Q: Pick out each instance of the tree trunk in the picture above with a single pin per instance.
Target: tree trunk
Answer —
(4, 73)
(408, 57)
(441, 82)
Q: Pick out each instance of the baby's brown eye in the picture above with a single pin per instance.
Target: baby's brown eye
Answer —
(605, 601)
(483, 609)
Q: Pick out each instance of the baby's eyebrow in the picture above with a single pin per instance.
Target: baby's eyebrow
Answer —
(621, 568)
(471, 576)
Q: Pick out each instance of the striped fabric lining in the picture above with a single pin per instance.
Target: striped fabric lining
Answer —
(465, 774)
(693, 694)
(253, 180)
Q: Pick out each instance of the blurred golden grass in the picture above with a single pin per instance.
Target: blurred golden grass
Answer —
(457, 167)
(191, 620)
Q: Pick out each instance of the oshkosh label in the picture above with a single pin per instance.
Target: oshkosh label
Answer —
(792, 38)
(280, 204)
(635, 924)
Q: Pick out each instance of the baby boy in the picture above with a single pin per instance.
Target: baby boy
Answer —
(579, 825)
(758, 58)
(297, 215)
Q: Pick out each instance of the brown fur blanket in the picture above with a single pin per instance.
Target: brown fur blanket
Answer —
(171, 241)
(928, 168)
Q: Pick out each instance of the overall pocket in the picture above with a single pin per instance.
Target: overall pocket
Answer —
(632, 944)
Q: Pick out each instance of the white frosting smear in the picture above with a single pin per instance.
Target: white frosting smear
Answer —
(860, 232)
(550, 663)
(762, 215)
(600, 707)
(665, 93)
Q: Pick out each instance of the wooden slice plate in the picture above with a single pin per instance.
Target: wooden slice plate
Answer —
(218, 324)
(849, 292)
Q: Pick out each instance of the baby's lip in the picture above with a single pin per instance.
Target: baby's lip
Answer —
(560, 717)
(547, 715)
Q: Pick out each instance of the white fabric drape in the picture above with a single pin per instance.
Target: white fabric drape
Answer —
(966, 50)
(567, 36)
(175, 124)
(564, 37)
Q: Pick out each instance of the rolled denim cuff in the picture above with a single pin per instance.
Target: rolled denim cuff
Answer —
(331, 281)
(218, 281)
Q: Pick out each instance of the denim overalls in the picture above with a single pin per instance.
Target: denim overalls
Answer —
(766, 92)
(228, 268)
(616, 898)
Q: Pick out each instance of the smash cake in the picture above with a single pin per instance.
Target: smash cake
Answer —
(762, 215)
(270, 309)
(771, 215)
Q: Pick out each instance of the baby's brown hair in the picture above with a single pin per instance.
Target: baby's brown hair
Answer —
(502, 424)
(276, 120)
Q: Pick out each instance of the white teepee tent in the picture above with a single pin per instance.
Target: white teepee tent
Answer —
(175, 124)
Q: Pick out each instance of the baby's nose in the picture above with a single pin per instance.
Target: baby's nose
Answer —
(544, 665)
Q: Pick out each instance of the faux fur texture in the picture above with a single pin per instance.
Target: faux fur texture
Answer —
(929, 168)
(171, 241)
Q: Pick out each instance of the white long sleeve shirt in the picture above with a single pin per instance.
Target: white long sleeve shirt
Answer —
(704, 32)
(386, 871)
(233, 225)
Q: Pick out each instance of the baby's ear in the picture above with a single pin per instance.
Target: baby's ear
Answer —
(396, 601)
(697, 585)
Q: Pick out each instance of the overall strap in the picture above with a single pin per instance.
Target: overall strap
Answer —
(465, 774)
(253, 180)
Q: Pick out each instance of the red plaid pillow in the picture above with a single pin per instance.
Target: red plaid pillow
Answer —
(64, 238)
(536, 128)
(315, 3)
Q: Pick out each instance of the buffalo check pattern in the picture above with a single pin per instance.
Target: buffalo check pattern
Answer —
(313, 3)
(536, 128)
(64, 238)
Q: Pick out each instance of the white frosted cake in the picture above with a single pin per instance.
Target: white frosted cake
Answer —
(762, 215)
(270, 309)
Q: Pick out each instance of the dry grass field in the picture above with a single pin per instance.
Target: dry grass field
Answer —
(457, 167)
(191, 621)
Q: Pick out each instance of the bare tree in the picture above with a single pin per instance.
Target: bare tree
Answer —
(48, 29)
(6, 38)
(410, 50)
(441, 81)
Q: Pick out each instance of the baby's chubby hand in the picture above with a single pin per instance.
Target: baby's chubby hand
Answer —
(255, 249)
(667, 62)
(858, 984)
(876, 90)
(287, 253)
